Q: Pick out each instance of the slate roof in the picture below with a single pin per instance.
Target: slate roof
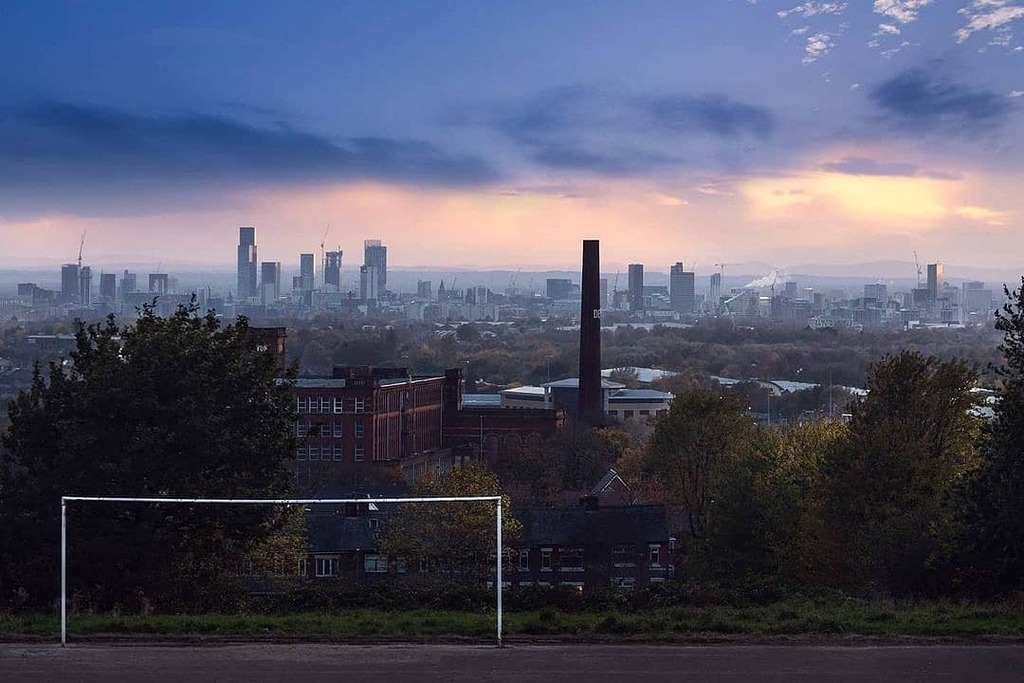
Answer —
(335, 533)
(617, 525)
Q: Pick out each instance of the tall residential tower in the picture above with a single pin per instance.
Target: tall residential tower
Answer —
(247, 267)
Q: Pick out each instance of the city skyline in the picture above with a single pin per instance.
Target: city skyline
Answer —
(772, 132)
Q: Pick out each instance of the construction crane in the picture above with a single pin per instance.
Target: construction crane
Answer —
(918, 265)
(721, 267)
(81, 246)
(323, 256)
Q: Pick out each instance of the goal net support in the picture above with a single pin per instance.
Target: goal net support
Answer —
(271, 501)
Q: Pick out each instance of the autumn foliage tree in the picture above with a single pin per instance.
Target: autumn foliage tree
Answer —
(890, 492)
(453, 538)
(178, 406)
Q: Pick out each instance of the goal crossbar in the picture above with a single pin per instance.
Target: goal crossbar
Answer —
(64, 500)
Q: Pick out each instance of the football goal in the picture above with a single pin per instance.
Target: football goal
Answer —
(100, 500)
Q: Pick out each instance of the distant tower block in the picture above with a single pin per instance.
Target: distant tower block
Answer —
(590, 399)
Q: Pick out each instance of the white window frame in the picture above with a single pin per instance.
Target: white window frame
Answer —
(375, 563)
(300, 453)
(545, 559)
(302, 404)
(524, 559)
(566, 553)
(337, 429)
(357, 452)
(326, 566)
(314, 452)
(359, 429)
(654, 554)
(359, 405)
(339, 453)
(301, 568)
(339, 405)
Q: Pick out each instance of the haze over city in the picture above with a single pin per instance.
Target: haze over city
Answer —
(774, 132)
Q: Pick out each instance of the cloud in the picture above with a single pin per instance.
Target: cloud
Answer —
(818, 45)
(715, 114)
(900, 11)
(617, 133)
(811, 8)
(990, 15)
(920, 100)
(981, 214)
(867, 166)
(62, 151)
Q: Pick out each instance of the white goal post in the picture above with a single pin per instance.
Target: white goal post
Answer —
(265, 501)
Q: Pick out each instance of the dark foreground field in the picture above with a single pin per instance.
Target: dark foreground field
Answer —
(521, 663)
(789, 619)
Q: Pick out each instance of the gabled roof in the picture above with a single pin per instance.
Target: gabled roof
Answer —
(336, 533)
(619, 525)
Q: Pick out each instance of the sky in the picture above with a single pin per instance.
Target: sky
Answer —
(490, 134)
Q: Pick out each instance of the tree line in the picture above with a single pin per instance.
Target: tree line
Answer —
(920, 493)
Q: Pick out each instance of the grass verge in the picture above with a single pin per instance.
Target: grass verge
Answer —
(849, 618)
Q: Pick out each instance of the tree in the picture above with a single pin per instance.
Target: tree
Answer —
(178, 406)
(453, 537)
(891, 489)
(995, 517)
(694, 446)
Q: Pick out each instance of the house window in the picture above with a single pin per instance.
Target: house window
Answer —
(613, 413)
(301, 428)
(314, 452)
(339, 405)
(545, 559)
(654, 552)
(374, 523)
(661, 412)
(300, 569)
(524, 560)
(359, 430)
(325, 404)
(327, 566)
(401, 566)
(300, 453)
(624, 556)
(360, 405)
(302, 404)
(571, 559)
(336, 430)
(645, 412)
(358, 454)
(627, 413)
(338, 453)
(375, 564)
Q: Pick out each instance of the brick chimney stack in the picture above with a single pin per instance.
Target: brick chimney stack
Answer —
(590, 401)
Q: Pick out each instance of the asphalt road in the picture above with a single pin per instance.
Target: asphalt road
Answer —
(20, 663)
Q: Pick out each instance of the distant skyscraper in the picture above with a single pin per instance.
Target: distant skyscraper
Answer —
(69, 284)
(558, 288)
(247, 287)
(108, 286)
(332, 271)
(368, 283)
(307, 272)
(878, 292)
(715, 289)
(128, 284)
(636, 286)
(423, 290)
(681, 289)
(270, 281)
(376, 255)
(934, 281)
(790, 290)
(159, 283)
(85, 286)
